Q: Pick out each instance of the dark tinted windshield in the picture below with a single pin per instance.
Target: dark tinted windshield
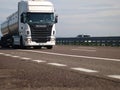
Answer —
(40, 17)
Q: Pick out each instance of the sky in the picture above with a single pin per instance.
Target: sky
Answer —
(91, 17)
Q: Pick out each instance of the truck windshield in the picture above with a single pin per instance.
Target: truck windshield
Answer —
(40, 17)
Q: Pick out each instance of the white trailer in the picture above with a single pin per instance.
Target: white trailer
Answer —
(32, 25)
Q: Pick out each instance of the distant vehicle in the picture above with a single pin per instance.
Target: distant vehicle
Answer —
(32, 25)
(83, 36)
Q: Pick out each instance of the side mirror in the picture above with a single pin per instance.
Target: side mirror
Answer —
(56, 18)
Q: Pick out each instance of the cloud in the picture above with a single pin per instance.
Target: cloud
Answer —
(7, 8)
(94, 17)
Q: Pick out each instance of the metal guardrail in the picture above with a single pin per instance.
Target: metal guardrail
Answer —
(89, 41)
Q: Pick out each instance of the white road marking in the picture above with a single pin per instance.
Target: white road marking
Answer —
(76, 56)
(86, 47)
(38, 61)
(84, 70)
(25, 58)
(1, 53)
(87, 50)
(57, 64)
(7, 55)
(15, 56)
(10, 55)
(114, 76)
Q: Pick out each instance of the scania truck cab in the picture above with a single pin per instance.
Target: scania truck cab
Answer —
(32, 25)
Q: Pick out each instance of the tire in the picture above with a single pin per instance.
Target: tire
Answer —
(13, 45)
(3, 42)
(21, 43)
(49, 47)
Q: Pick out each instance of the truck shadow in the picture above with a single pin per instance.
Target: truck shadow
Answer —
(27, 48)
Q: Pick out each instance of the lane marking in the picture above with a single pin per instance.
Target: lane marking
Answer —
(2, 53)
(57, 64)
(76, 56)
(15, 56)
(25, 58)
(87, 50)
(9, 55)
(61, 65)
(114, 76)
(38, 61)
(84, 70)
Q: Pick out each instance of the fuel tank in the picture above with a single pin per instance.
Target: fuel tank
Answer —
(10, 26)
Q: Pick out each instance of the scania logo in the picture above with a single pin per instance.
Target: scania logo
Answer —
(42, 26)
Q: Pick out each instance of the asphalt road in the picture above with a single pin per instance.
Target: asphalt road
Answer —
(62, 68)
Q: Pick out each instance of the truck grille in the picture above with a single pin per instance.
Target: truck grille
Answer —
(41, 33)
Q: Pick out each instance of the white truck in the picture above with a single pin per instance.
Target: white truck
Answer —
(33, 25)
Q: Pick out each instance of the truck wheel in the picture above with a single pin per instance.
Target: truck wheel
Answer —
(21, 43)
(49, 47)
(3, 42)
(13, 45)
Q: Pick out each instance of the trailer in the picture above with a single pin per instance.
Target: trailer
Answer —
(32, 25)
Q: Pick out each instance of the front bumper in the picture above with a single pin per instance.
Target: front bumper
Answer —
(32, 43)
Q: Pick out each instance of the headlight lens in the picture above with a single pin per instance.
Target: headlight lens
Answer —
(28, 40)
(52, 39)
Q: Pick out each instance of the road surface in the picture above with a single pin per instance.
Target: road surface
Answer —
(62, 68)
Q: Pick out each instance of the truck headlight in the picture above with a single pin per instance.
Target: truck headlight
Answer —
(28, 40)
(52, 39)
